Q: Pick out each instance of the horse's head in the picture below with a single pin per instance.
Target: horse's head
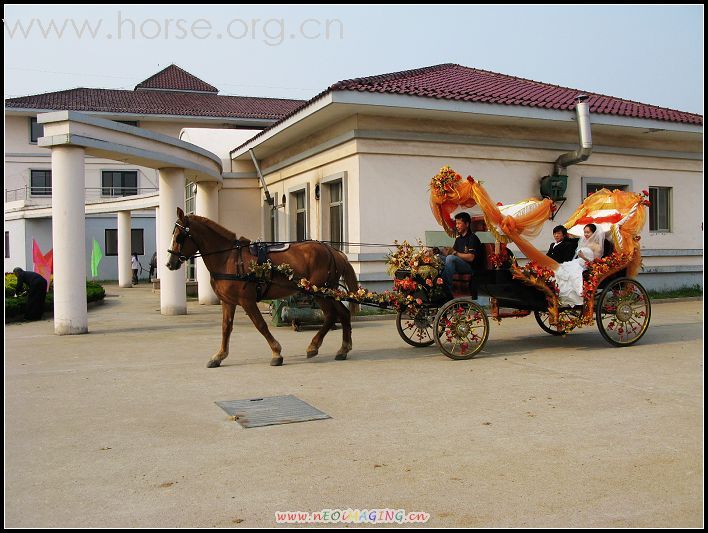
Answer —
(183, 246)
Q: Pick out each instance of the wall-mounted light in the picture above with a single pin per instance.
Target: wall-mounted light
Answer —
(283, 200)
(317, 191)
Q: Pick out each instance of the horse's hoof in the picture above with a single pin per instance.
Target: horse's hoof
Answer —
(276, 361)
(213, 363)
(340, 356)
(312, 353)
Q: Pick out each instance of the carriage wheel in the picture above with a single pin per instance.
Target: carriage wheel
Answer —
(463, 328)
(623, 312)
(416, 330)
(543, 318)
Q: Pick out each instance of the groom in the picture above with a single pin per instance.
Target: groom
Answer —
(563, 249)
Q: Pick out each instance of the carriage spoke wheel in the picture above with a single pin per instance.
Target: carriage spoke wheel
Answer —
(416, 330)
(623, 312)
(462, 327)
(544, 319)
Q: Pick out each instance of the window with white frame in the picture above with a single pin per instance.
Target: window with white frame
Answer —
(592, 185)
(41, 182)
(137, 245)
(190, 198)
(660, 209)
(336, 214)
(36, 130)
(119, 182)
(190, 207)
(298, 210)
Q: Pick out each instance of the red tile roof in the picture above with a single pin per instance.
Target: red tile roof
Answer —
(158, 103)
(455, 82)
(176, 79)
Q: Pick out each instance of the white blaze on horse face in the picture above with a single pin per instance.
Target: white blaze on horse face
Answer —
(173, 262)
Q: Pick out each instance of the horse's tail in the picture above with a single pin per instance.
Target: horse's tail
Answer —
(350, 279)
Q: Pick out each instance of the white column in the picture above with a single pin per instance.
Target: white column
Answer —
(207, 205)
(69, 240)
(173, 286)
(125, 272)
(160, 247)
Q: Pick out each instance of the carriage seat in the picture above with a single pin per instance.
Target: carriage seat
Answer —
(464, 285)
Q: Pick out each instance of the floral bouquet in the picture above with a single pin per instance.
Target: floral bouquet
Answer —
(416, 271)
(444, 181)
(500, 260)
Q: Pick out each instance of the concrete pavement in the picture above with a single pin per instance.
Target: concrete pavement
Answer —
(118, 428)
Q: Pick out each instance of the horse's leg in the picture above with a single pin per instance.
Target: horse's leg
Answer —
(346, 320)
(227, 325)
(330, 317)
(254, 314)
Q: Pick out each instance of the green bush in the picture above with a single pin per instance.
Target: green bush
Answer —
(15, 306)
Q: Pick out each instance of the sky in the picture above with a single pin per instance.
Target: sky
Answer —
(649, 54)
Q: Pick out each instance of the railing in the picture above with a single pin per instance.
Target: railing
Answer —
(90, 193)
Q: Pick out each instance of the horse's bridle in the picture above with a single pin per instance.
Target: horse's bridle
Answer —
(180, 238)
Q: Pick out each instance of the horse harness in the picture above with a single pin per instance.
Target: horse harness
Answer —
(260, 250)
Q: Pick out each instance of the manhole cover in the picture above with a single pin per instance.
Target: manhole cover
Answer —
(257, 412)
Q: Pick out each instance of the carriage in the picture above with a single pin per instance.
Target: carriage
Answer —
(613, 299)
(242, 273)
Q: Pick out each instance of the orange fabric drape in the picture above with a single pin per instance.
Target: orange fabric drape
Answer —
(459, 195)
(513, 227)
(622, 201)
(625, 226)
(528, 223)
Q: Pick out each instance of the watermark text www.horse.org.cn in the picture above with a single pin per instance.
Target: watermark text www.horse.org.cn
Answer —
(270, 31)
(352, 516)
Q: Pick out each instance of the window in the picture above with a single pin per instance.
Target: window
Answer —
(119, 182)
(591, 185)
(298, 215)
(336, 215)
(190, 198)
(136, 242)
(7, 245)
(271, 222)
(36, 130)
(660, 209)
(41, 182)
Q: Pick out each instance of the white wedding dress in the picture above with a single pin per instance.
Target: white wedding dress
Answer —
(569, 275)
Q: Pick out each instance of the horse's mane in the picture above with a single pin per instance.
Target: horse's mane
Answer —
(218, 229)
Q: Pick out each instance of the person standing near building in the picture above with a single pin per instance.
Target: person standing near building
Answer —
(135, 265)
(36, 292)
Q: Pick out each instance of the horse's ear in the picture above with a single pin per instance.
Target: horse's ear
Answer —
(180, 214)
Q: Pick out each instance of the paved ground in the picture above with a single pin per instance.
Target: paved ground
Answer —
(119, 428)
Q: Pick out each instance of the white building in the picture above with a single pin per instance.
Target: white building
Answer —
(355, 162)
(166, 103)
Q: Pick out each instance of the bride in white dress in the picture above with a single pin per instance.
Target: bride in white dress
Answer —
(569, 275)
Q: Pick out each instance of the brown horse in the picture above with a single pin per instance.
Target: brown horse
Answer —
(224, 254)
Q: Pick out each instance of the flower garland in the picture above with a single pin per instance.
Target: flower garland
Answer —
(264, 271)
(544, 279)
(416, 282)
(599, 270)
